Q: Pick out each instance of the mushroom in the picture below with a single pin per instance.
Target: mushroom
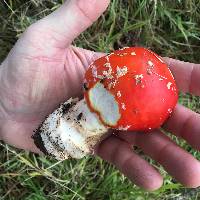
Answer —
(129, 89)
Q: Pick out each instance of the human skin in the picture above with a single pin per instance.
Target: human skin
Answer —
(43, 69)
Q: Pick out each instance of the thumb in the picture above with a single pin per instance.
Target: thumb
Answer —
(71, 19)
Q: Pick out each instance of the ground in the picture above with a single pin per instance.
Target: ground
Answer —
(170, 28)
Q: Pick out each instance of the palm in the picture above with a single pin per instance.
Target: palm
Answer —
(38, 81)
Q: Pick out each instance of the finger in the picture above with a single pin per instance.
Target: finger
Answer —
(177, 162)
(186, 124)
(86, 57)
(75, 75)
(71, 19)
(19, 135)
(187, 75)
(135, 168)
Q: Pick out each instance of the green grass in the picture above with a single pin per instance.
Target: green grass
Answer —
(170, 28)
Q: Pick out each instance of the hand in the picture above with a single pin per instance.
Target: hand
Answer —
(183, 123)
(43, 70)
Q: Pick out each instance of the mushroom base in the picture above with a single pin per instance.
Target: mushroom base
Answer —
(71, 131)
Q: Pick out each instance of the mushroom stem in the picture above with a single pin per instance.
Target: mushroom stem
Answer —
(70, 131)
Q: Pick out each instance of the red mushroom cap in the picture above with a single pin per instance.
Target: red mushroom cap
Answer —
(131, 89)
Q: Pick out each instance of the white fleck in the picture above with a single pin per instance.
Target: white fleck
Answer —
(121, 71)
(122, 54)
(150, 63)
(124, 48)
(149, 128)
(133, 53)
(111, 54)
(160, 79)
(94, 72)
(107, 58)
(121, 128)
(119, 94)
(169, 85)
(123, 106)
(112, 84)
(138, 78)
(108, 73)
(150, 68)
(173, 89)
(159, 75)
(169, 110)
